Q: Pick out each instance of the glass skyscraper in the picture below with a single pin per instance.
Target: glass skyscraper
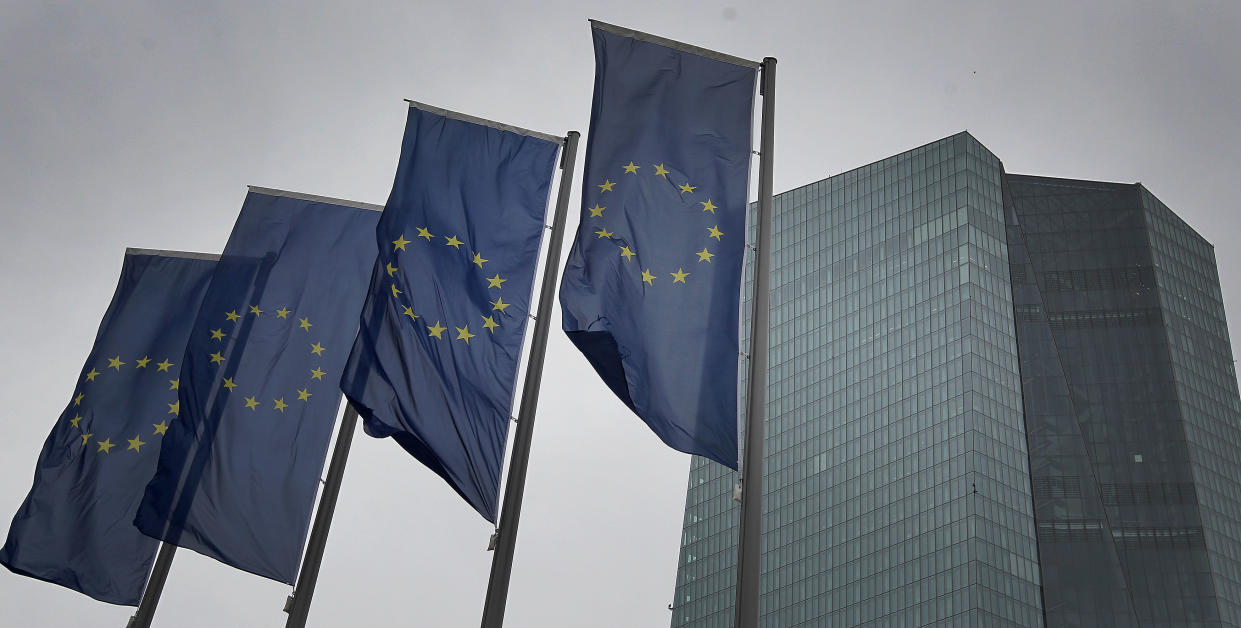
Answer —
(994, 400)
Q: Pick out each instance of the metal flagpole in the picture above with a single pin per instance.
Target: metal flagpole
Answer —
(298, 604)
(750, 538)
(155, 586)
(510, 514)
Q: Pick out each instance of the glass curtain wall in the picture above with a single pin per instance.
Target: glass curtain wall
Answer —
(897, 487)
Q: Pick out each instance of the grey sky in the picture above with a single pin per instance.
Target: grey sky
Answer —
(133, 124)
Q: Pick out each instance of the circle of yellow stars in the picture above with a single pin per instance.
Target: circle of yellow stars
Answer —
(256, 402)
(436, 330)
(627, 250)
(80, 419)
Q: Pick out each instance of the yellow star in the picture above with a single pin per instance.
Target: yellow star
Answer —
(494, 282)
(395, 291)
(106, 445)
(661, 171)
(478, 259)
(175, 408)
(163, 366)
(631, 168)
(435, 330)
(603, 233)
(174, 384)
(490, 324)
(77, 401)
(648, 277)
(606, 186)
(216, 358)
(303, 395)
(280, 404)
(232, 316)
(687, 188)
(423, 233)
(317, 374)
(228, 383)
(499, 304)
(708, 206)
(283, 312)
(596, 211)
(453, 242)
(77, 419)
(86, 437)
(679, 276)
(252, 403)
(714, 232)
(409, 311)
(90, 377)
(626, 253)
(316, 349)
(160, 428)
(217, 334)
(391, 269)
(704, 255)
(399, 243)
(463, 333)
(115, 363)
(304, 323)
(142, 362)
(254, 309)
(135, 443)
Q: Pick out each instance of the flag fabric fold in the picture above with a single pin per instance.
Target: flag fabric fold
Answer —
(239, 469)
(75, 527)
(435, 362)
(650, 291)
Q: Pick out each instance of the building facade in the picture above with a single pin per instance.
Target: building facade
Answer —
(994, 400)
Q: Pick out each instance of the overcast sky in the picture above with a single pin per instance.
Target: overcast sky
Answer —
(133, 124)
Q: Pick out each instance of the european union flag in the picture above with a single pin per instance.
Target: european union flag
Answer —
(238, 472)
(74, 529)
(435, 361)
(651, 288)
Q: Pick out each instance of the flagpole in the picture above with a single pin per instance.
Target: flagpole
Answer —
(155, 587)
(749, 548)
(298, 604)
(510, 514)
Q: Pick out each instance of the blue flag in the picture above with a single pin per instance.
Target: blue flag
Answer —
(75, 527)
(238, 472)
(651, 287)
(435, 362)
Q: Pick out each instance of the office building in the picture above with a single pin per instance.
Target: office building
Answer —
(994, 400)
